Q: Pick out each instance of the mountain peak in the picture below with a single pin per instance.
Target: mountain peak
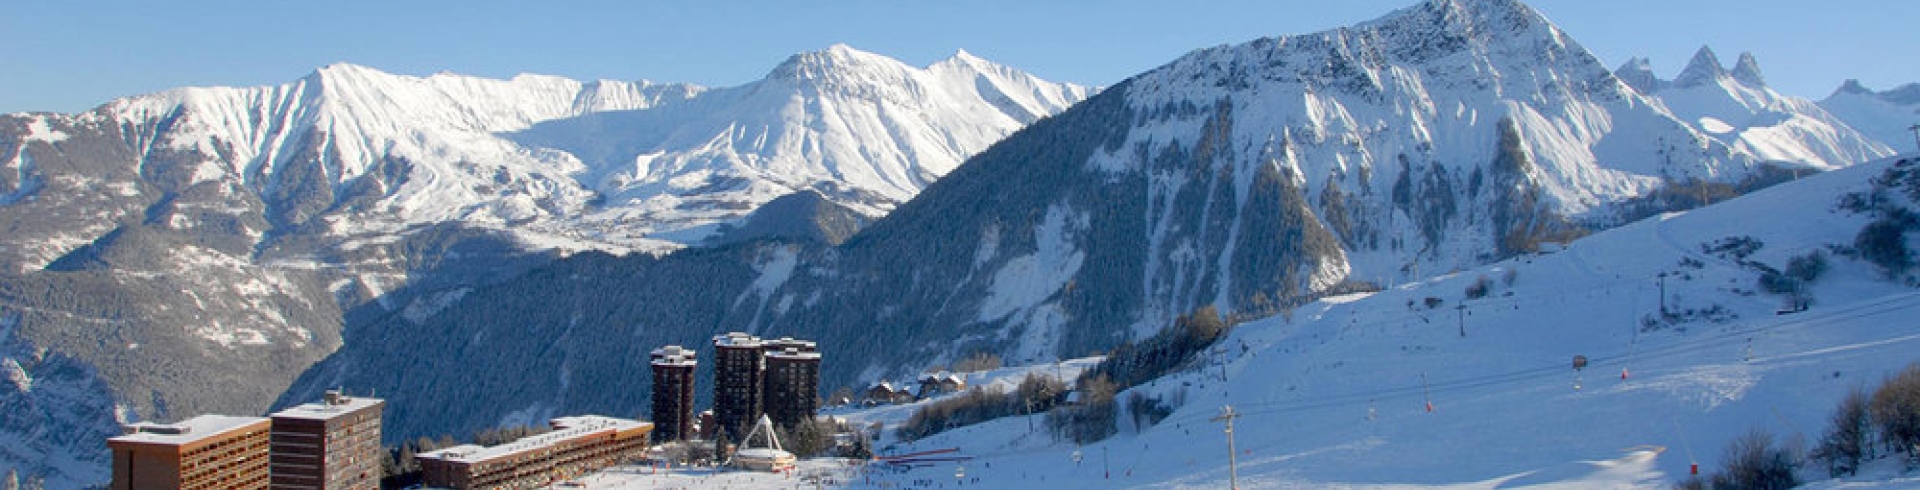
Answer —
(963, 58)
(1747, 71)
(1483, 16)
(1703, 69)
(836, 58)
(1853, 86)
(1908, 94)
(342, 69)
(1638, 73)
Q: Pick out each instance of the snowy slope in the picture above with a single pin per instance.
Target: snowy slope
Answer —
(1334, 397)
(867, 131)
(1504, 393)
(1885, 116)
(1738, 108)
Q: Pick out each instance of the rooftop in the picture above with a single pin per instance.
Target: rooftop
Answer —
(185, 431)
(323, 410)
(565, 429)
(674, 355)
(736, 339)
(791, 343)
(674, 350)
(793, 353)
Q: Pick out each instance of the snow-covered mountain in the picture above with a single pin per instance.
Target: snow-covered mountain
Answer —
(193, 250)
(1252, 178)
(1885, 116)
(867, 131)
(1737, 108)
(1426, 385)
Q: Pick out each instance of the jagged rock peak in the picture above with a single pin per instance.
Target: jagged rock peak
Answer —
(1747, 71)
(1638, 73)
(1703, 69)
(1853, 86)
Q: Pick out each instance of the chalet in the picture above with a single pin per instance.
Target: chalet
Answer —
(942, 382)
(884, 393)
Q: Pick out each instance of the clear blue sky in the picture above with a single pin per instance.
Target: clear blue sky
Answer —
(69, 56)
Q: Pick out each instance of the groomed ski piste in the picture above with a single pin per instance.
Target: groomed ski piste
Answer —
(1383, 391)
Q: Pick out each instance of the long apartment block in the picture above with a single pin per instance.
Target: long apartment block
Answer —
(575, 447)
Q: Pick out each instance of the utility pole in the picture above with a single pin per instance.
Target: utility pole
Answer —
(1233, 468)
(1029, 412)
(1916, 134)
(1462, 308)
(1663, 294)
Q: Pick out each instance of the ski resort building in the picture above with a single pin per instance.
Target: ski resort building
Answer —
(328, 445)
(754, 377)
(791, 391)
(942, 382)
(577, 446)
(884, 393)
(204, 452)
(738, 369)
(673, 368)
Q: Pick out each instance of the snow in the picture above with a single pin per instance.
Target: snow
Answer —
(38, 130)
(1883, 116)
(775, 267)
(868, 131)
(1029, 279)
(21, 379)
(423, 308)
(593, 165)
(323, 411)
(1337, 397)
(195, 429)
(1738, 109)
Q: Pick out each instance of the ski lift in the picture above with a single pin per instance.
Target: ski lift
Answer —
(1579, 362)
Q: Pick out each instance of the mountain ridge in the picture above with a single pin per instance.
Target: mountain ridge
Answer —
(1252, 178)
(1736, 107)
